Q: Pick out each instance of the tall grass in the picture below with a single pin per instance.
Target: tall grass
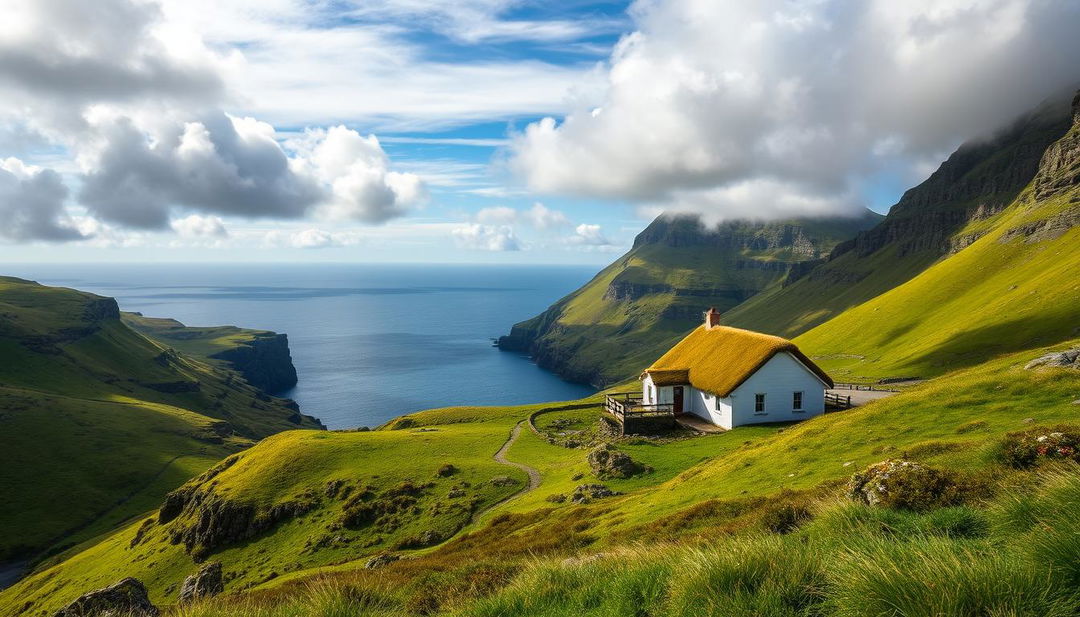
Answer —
(1018, 557)
(932, 577)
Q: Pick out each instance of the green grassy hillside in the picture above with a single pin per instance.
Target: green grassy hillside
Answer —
(1014, 287)
(613, 326)
(951, 209)
(699, 489)
(99, 422)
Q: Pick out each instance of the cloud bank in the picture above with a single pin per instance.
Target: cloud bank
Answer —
(775, 108)
(138, 102)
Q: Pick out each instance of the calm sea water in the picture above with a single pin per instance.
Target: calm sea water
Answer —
(370, 342)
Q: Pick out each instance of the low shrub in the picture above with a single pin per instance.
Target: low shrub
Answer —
(404, 422)
(904, 485)
(785, 517)
(1024, 449)
(957, 522)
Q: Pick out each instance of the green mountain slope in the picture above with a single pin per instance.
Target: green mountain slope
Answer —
(99, 421)
(613, 326)
(955, 206)
(1017, 286)
(275, 515)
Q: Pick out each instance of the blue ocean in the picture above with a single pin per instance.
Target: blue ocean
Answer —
(370, 342)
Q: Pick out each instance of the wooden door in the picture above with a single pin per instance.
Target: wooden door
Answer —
(677, 398)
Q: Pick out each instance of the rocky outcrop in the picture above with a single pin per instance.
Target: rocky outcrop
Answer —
(1070, 358)
(205, 583)
(587, 493)
(607, 462)
(126, 598)
(211, 521)
(204, 521)
(379, 561)
(265, 362)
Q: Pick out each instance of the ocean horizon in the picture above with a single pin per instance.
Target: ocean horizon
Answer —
(369, 341)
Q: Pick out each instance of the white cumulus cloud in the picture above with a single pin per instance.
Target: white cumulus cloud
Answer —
(775, 108)
(486, 237)
(588, 235)
(138, 176)
(196, 226)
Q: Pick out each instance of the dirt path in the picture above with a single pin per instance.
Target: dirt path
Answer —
(500, 457)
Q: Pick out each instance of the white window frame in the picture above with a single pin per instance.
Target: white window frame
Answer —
(764, 408)
(717, 406)
(652, 397)
(799, 394)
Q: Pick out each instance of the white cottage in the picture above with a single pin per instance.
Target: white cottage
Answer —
(730, 377)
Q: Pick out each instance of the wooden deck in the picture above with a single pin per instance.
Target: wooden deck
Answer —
(636, 416)
(624, 404)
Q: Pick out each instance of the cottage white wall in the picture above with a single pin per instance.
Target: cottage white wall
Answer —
(778, 379)
(663, 394)
(645, 385)
(703, 405)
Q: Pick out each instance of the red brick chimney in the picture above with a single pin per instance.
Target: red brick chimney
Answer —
(712, 318)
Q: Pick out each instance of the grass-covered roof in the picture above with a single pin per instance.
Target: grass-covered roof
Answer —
(720, 358)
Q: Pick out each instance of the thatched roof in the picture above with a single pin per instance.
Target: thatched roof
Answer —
(720, 358)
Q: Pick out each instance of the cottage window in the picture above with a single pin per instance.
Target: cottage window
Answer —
(759, 403)
(718, 404)
(651, 397)
(796, 401)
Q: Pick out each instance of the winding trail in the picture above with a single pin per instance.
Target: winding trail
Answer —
(500, 457)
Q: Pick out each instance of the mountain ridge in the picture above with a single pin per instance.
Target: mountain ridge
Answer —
(653, 294)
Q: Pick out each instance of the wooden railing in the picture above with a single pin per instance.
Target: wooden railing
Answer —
(624, 404)
(839, 401)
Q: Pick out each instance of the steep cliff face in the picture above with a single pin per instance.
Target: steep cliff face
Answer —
(622, 319)
(946, 213)
(264, 361)
(261, 357)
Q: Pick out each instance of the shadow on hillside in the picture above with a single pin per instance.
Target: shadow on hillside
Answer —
(980, 344)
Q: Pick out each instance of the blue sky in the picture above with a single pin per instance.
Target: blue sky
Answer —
(503, 131)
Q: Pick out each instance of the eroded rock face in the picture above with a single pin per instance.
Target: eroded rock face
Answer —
(126, 598)
(205, 583)
(218, 522)
(1059, 169)
(208, 521)
(265, 362)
